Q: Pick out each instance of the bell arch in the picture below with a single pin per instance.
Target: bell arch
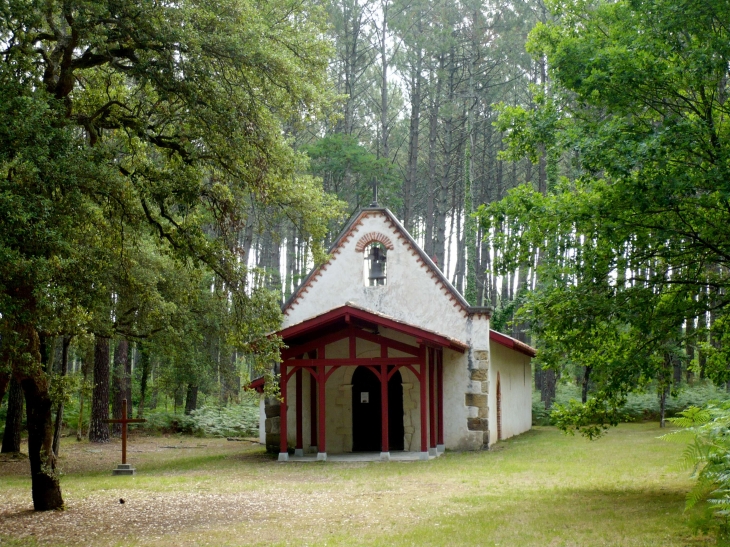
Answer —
(375, 261)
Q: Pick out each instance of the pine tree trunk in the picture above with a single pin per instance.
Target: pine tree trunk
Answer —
(119, 383)
(98, 428)
(433, 184)
(14, 418)
(191, 399)
(4, 384)
(59, 410)
(144, 363)
(85, 367)
(690, 346)
(585, 383)
(413, 137)
(549, 384)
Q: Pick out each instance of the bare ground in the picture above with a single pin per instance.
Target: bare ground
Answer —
(273, 511)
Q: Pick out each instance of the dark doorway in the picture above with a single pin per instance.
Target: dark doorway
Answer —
(366, 415)
(395, 412)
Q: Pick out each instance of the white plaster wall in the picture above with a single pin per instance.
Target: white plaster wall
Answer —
(262, 419)
(456, 383)
(410, 295)
(516, 385)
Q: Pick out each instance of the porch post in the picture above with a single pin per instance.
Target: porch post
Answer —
(422, 377)
(283, 449)
(321, 383)
(440, 396)
(313, 410)
(384, 442)
(431, 404)
(299, 448)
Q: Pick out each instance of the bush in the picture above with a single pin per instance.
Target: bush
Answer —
(639, 406)
(230, 421)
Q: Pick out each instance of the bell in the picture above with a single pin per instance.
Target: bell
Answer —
(377, 266)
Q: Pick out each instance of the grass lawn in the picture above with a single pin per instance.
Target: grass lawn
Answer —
(539, 489)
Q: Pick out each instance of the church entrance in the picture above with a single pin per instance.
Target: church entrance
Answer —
(366, 411)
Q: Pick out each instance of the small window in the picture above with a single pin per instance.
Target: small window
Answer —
(375, 265)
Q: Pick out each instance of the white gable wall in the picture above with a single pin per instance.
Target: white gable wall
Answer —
(410, 295)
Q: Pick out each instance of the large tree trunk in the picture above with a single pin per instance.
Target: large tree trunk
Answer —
(59, 410)
(14, 418)
(98, 427)
(44, 480)
(120, 379)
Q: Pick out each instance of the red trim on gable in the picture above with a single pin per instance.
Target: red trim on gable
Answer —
(511, 343)
(316, 323)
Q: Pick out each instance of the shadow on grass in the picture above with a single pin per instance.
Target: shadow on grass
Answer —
(625, 518)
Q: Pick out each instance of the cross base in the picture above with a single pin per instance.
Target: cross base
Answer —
(124, 469)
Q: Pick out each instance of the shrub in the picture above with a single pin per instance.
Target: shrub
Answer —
(639, 406)
(229, 421)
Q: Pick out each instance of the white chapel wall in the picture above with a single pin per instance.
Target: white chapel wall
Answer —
(516, 386)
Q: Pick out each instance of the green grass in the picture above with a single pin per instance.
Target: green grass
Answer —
(540, 489)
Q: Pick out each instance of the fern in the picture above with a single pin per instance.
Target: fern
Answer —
(708, 455)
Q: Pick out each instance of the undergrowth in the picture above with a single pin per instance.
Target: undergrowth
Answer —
(639, 406)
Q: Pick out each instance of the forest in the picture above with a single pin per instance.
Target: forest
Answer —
(169, 174)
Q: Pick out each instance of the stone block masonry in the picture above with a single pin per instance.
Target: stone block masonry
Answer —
(477, 398)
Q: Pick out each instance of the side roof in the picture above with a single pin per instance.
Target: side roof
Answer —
(511, 343)
(424, 259)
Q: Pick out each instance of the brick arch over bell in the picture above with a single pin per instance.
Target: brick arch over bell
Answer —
(373, 237)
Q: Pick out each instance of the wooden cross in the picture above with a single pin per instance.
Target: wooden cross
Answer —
(124, 421)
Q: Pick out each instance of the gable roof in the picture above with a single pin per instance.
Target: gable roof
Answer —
(350, 313)
(402, 234)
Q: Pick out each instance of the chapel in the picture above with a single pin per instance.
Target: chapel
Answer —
(383, 354)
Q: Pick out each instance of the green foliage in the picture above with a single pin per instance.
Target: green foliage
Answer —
(348, 169)
(636, 245)
(637, 406)
(240, 420)
(708, 455)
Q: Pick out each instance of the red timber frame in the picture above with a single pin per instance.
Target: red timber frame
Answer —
(310, 338)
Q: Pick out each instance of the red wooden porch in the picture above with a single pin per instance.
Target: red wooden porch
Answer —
(306, 354)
